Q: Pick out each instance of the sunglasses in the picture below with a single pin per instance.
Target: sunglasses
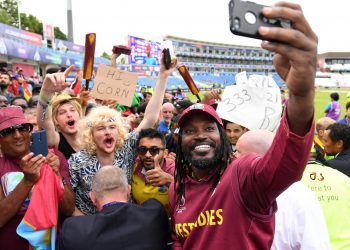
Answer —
(22, 106)
(26, 127)
(152, 150)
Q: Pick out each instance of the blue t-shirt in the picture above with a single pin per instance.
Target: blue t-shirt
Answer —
(344, 120)
(163, 128)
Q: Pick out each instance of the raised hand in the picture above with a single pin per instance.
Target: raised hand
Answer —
(156, 176)
(210, 95)
(171, 156)
(54, 162)
(31, 166)
(295, 61)
(84, 97)
(56, 82)
(296, 49)
(163, 70)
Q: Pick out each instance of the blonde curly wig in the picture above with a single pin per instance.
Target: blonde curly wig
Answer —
(96, 117)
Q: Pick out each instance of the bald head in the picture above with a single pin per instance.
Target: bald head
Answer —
(168, 106)
(323, 123)
(109, 185)
(254, 141)
(109, 179)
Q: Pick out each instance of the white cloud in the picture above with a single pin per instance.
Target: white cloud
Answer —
(204, 20)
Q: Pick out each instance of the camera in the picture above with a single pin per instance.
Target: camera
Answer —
(246, 18)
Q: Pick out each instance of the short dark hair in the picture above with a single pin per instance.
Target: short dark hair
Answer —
(147, 93)
(36, 90)
(142, 108)
(33, 101)
(340, 131)
(347, 105)
(165, 100)
(226, 122)
(6, 73)
(151, 133)
(18, 98)
(335, 96)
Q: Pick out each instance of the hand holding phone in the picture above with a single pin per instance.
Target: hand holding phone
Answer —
(168, 53)
(247, 17)
(31, 166)
(39, 143)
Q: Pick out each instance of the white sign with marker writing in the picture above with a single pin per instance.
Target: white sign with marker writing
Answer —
(114, 84)
(254, 103)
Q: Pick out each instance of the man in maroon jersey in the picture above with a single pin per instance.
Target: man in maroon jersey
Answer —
(221, 205)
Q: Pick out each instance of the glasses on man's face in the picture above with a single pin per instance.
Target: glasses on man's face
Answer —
(152, 150)
(27, 127)
(22, 106)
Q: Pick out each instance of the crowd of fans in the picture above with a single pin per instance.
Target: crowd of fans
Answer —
(169, 173)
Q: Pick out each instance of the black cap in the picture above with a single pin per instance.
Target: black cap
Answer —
(184, 104)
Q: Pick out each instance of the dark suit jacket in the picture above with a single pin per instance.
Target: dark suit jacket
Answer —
(341, 162)
(119, 226)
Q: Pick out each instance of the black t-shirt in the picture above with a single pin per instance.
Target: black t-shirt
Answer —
(171, 145)
(65, 147)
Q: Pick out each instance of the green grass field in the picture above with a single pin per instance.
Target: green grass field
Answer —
(321, 100)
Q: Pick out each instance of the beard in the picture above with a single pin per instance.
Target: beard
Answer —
(3, 86)
(205, 164)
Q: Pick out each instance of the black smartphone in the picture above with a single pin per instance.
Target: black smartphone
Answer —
(39, 143)
(246, 18)
(167, 58)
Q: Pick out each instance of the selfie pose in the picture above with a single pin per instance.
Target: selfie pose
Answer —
(218, 204)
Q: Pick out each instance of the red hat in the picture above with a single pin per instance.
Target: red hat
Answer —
(11, 116)
(199, 108)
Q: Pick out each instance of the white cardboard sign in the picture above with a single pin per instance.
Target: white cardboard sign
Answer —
(254, 103)
(114, 84)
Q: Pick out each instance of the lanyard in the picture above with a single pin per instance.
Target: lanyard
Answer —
(111, 203)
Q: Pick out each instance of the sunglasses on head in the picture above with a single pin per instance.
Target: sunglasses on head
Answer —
(26, 127)
(152, 150)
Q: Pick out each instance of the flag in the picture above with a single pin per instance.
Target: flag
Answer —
(75, 86)
(26, 91)
(39, 223)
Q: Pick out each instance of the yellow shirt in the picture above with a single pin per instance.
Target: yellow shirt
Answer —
(142, 191)
(332, 189)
